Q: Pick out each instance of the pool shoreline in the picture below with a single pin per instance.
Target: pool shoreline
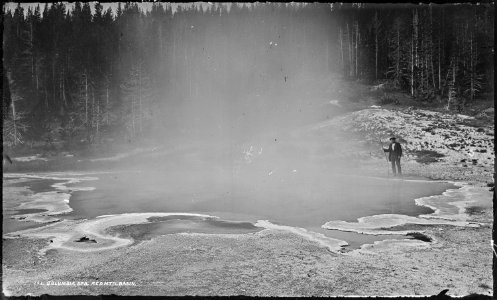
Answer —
(60, 184)
(324, 238)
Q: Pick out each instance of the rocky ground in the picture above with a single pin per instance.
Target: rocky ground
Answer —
(268, 263)
(436, 144)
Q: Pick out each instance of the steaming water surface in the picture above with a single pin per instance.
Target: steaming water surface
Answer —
(286, 186)
(295, 192)
(295, 199)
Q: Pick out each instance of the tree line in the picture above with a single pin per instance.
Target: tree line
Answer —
(426, 50)
(75, 75)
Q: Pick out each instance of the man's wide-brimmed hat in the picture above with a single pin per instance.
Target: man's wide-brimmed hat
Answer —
(392, 138)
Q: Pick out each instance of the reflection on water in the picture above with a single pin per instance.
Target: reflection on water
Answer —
(178, 224)
(39, 185)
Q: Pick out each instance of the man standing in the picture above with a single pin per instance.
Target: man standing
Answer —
(394, 154)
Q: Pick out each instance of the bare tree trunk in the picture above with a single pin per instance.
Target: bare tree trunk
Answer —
(188, 75)
(192, 72)
(357, 49)
(416, 22)
(397, 66)
(53, 79)
(140, 109)
(33, 70)
(37, 80)
(32, 51)
(86, 98)
(431, 50)
(13, 104)
(97, 123)
(225, 61)
(34, 76)
(327, 54)
(422, 67)
(427, 71)
(350, 51)
(439, 67)
(133, 116)
(161, 54)
(14, 120)
(440, 56)
(93, 117)
(174, 56)
(341, 50)
(376, 29)
(46, 97)
(107, 104)
(433, 83)
(16, 116)
(454, 78)
(412, 66)
(427, 66)
(414, 49)
(376, 58)
(63, 89)
(452, 85)
(472, 68)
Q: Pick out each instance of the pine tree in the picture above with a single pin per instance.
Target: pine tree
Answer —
(452, 88)
(376, 26)
(473, 81)
(80, 117)
(138, 108)
(14, 125)
(397, 55)
(414, 52)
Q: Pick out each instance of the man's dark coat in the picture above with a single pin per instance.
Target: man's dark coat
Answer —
(394, 154)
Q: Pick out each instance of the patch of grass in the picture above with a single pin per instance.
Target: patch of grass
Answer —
(427, 156)
(474, 210)
(484, 286)
(477, 122)
(477, 296)
(407, 227)
(419, 236)
(388, 99)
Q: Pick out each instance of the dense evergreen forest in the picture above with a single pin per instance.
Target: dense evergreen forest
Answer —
(73, 75)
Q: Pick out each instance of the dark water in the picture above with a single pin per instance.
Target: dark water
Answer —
(11, 225)
(28, 211)
(178, 224)
(38, 185)
(307, 198)
(295, 199)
